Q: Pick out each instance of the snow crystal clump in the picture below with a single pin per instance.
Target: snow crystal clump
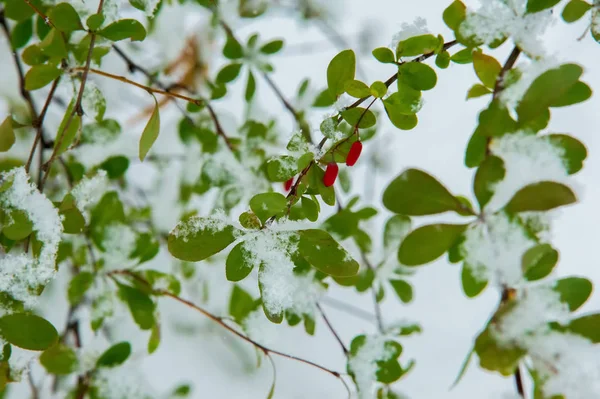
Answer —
(213, 224)
(568, 363)
(364, 363)
(89, 190)
(281, 288)
(527, 159)
(22, 274)
(417, 28)
(494, 249)
(259, 328)
(496, 19)
(118, 242)
(512, 94)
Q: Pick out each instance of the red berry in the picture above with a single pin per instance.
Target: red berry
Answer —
(354, 153)
(288, 184)
(330, 174)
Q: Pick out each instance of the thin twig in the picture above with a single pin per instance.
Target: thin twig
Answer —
(335, 334)
(39, 123)
(510, 62)
(221, 322)
(164, 90)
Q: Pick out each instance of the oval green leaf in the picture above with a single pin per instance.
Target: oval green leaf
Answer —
(427, 243)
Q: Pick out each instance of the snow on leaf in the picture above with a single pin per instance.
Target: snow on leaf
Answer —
(21, 275)
(494, 249)
(528, 159)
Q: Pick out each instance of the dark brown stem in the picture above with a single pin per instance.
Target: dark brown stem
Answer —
(164, 90)
(335, 334)
(510, 62)
(222, 323)
(519, 382)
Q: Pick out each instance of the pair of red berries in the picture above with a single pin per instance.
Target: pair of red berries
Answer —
(332, 170)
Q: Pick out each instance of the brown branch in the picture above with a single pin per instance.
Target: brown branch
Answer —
(510, 62)
(220, 320)
(39, 123)
(164, 90)
(335, 334)
(141, 86)
(38, 12)
(77, 109)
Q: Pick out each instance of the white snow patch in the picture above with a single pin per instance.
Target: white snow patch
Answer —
(212, 224)
(494, 249)
(22, 274)
(527, 159)
(364, 365)
(417, 28)
(89, 190)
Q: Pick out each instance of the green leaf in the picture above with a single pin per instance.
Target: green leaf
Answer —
(357, 89)
(267, 204)
(65, 18)
(378, 89)
(272, 47)
(33, 55)
(59, 359)
(28, 331)
(495, 121)
(396, 228)
(310, 208)
(319, 249)
(541, 196)
(454, 14)
(427, 243)
(574, 10)
(340, 70)
(154, 340)
(67, 130)
(229, 73)
(490, 172)
(384, 55)
(547, 89)
(54, 45)
(94, 21)
(249, 220)
(150, 133)
(578, 93)
(7, 135)
(232, 49)
(115, 355)
(407, 100)
(487, 68)
(463, 368)
(403, 289)
(73, 221)
(196, 238)
(464, 56)
(417, 75)
(587, 326)
(239, 263)
(442, 60)
(359, 117)
(398, 119)
(417, 193)
(115, 166)
(250, 87)
(240, 304)
(40, 76)
(324, 99)
(18, 10)
(21, 34)
(19, 226)
(574, 291)
(124, 29)
(471, 285)
(574, 152)
(494, 357)
(417, 45)
(281, 168)
(478, 90)
(78, 286)
(140, 305)
(534, 6)
(538, 261)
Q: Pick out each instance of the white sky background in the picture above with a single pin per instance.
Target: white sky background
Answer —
(212, 360)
